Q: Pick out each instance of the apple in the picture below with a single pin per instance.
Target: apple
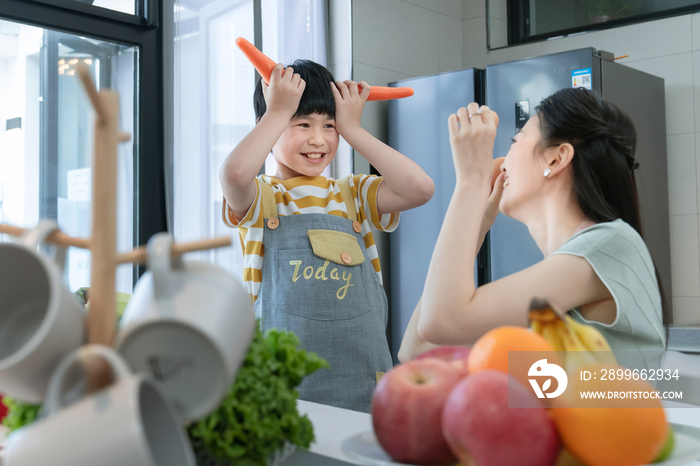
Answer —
(3, 408)
(483, 431)
(407, 407)
(456, 355)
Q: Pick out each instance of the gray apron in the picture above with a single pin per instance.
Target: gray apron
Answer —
(319, 283)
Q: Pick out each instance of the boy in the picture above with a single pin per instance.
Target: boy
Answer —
(317, 274)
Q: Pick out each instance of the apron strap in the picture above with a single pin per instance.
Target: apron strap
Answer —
(267, 196)
(344, 185)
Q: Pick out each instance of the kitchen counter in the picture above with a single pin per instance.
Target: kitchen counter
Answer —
(333, 425)
(681, 413)
(685, 337)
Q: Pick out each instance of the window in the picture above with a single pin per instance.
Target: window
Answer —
(535, 20)
(46, 124)
(293, 30)
(47, 139)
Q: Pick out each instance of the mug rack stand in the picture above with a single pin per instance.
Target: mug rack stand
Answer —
(102, 318)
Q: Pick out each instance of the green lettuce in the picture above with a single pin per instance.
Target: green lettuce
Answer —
(258, 415)
(18, 414)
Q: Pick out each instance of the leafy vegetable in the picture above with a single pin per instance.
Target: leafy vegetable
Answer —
(258, 415)
(18, 414)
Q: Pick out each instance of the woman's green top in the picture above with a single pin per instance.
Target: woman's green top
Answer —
(622, 261)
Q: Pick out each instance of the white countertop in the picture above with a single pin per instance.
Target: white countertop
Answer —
(680, 413)
(333, 425)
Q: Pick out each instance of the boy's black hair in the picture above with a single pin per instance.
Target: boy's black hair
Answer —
(317, 96)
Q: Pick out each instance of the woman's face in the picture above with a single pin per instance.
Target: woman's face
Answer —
(524, 170)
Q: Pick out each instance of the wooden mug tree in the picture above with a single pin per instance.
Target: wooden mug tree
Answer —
(102, 317)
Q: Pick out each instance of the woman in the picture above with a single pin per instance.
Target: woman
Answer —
(569, 177)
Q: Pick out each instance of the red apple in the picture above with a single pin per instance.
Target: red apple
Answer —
(407, 408)
(483, 431)
(3, 408)
(456, 355)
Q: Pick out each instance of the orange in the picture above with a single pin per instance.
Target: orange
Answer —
(526, 347)
(624, 432)
(491, 350)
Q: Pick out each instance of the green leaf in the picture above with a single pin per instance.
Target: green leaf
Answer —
(18, 414)
(258, 415)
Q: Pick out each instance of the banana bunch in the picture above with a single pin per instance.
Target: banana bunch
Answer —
(578, 343)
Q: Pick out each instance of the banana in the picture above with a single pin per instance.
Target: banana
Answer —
(593, 340)
(549, 332)
(589, 335)
(536, 326)
(579, 343)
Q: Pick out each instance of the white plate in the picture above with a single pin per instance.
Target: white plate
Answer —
(365, 448)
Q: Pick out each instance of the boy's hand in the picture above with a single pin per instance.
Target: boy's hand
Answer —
(349, 102)
(284, 92)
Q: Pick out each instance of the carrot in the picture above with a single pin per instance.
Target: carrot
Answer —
(389, 93)
(264, 65)
(496, 169)
(260, 61)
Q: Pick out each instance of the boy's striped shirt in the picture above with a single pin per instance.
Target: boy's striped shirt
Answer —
(307, 195)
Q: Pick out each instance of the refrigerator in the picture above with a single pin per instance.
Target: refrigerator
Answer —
(418, 129)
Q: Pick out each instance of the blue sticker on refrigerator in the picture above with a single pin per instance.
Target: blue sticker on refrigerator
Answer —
(581, 78)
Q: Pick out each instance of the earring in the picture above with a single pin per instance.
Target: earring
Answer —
(547, 171)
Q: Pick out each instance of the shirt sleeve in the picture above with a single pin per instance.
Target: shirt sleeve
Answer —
(618, 255)
(364, 189)
(251, 218)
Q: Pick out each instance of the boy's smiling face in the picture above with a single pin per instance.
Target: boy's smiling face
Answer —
(306, 147)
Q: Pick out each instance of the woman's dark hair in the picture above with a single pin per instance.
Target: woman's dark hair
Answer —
(604, 141)
(317, 96)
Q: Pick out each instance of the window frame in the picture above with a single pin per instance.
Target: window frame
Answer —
(518, 17)
(146, 11)
(81, 19)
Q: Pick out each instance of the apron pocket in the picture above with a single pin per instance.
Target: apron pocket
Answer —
(336, 246)
(306, 285)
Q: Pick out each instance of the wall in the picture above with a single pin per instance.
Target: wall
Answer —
(400, 39)
(421, 37)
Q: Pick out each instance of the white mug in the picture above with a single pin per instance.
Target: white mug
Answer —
(189, 325)
(40, 320)
(130, 422)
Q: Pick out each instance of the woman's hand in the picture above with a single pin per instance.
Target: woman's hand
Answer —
(492, 209)
(283, 94)
(349, 102)
(471, 140)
